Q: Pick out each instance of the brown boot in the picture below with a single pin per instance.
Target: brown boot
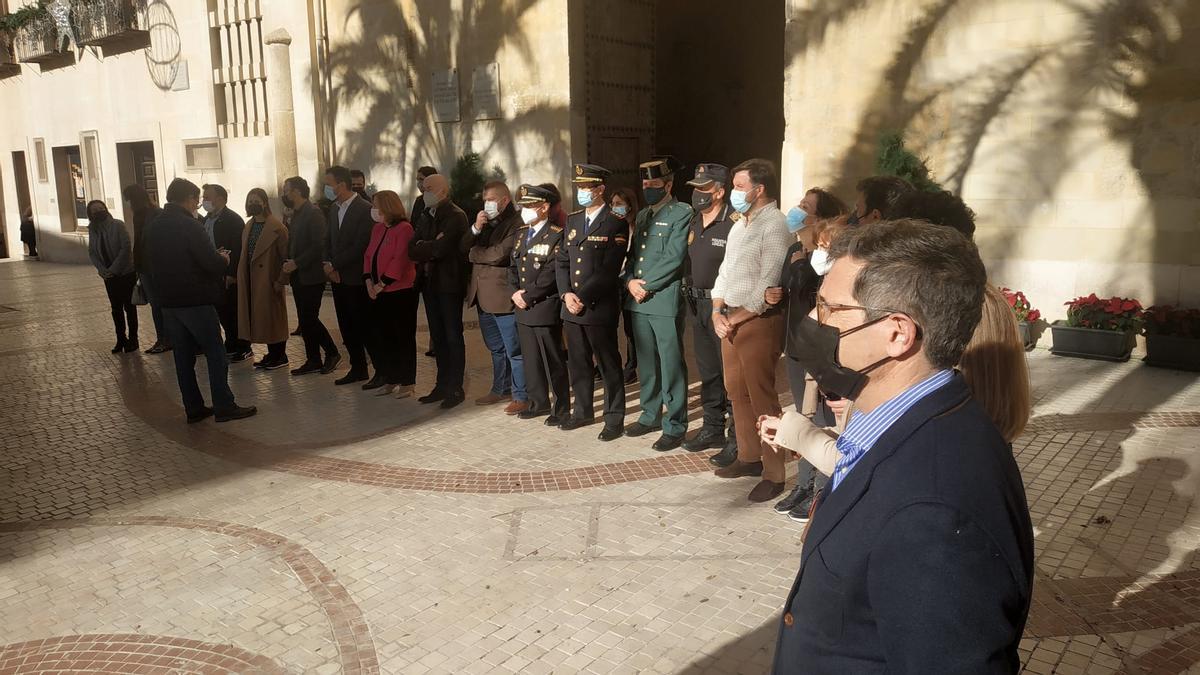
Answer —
(739, 469)
(516, 407)
(765, 491)
(490, 399)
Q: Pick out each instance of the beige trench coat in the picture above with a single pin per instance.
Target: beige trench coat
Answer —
(262, 306)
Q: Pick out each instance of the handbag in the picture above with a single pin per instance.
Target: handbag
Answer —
(139, 294)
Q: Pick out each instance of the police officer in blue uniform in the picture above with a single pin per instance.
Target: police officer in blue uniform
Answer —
(589, 281)
(539, 326)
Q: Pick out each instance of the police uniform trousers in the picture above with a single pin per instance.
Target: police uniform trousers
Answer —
(750, 359)
(661, 371)
(595, 344)
(545, 366)
(707, 352)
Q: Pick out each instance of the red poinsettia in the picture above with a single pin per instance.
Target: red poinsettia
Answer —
(1021, 306)
(1115, 314)
(1172, 321)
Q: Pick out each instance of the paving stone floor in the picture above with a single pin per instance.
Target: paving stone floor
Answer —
(340, 532)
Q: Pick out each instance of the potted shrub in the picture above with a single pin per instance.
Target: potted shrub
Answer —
(1098, 328)
(1027, 316)
(1172, 337)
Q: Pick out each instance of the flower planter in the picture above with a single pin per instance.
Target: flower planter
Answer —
(1026, 331)
(1091, 343)
(1168, 351)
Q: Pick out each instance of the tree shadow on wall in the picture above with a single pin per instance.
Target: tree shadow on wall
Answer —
(386, 74)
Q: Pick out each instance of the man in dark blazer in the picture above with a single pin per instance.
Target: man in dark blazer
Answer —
(189, 279)
(919, 554)
(539, 324)
(488, 245)
(589, 282)
(349, 232)
(436, 246)
(224, 228)
(305, 269)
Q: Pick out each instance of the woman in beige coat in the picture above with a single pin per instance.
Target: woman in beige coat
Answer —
(262, 310)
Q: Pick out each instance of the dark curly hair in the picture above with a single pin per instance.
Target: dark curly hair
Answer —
(939, 208)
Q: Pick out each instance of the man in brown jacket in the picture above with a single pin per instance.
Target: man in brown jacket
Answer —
(489, 245)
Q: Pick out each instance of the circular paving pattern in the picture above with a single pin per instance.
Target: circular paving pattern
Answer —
(129, 653)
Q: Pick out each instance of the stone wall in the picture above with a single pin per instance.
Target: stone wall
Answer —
(1072, 130)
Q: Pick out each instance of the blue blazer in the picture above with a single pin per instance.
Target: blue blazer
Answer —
(922, 560)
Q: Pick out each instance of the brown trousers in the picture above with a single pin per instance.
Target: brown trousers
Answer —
(750, 359)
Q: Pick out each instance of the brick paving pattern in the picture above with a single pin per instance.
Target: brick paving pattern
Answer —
(340, 532)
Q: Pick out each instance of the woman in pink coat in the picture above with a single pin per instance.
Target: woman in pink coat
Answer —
(389, 275)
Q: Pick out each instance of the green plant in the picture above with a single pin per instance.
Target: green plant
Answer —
(12, 22)
(894, 159)
(1115, 314)
(1172, 321)
(466, 183)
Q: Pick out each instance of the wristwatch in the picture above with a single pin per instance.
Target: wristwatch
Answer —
(723, 310)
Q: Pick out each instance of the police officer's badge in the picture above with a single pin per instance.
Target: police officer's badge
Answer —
(571, 234)
(578, 170)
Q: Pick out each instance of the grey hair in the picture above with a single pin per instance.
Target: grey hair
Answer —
(931, 273)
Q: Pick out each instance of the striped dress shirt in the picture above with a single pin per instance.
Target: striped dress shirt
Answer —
(863, 430)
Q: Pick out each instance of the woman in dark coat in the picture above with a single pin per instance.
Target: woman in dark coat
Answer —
(28, 232)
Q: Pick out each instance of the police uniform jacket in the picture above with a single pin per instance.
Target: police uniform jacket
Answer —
(589, 265)
(658, 256)
(533, 270)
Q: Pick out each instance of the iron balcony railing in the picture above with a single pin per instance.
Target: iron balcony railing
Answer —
(103, 21)
(38, 41)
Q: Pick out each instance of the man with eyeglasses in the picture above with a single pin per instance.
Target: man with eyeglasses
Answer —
(919, 554)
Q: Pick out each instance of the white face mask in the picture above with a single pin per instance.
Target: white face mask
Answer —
(430, 198)
(528, 215)
(207, 206)
(491, 208)
(820, 261)
(377, 215)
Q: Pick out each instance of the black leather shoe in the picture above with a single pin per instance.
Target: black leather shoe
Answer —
(199, 416)
(638, 429)
(238, 357)
(454, 399)
(725, 457)
(798, 494)
(532, 414)
(131, 345)
(553, 421)
(351, 377)
(374, 383)
(120, 347)
(331, 363)
(310, 367)
(237, 413)
(667, 442)
(611, 432)
(573, 423)
(707, 439)
(432, 397)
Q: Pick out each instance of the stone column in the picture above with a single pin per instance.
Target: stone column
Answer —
(281, 111)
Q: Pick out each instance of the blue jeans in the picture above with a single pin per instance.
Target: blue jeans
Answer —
(508, 366)
(160, 331)
(193, 328)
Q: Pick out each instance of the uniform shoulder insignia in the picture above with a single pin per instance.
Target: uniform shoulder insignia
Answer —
(575, 213)
(735, 216)
(555, 229)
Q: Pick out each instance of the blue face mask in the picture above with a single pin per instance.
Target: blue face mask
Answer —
(584, 197)
(620, 211)
(795, 219)
(330, 194)
(737, 199)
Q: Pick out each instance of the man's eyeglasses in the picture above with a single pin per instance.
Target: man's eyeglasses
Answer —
(826, 310)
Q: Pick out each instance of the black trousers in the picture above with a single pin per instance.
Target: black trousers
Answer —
(120, 301)
(308, 309)
(444, 313)
(630, 350)
(353, 307)
(707, 350)
(228, 311)
(393, 336)
(588, 345)
(545, 367)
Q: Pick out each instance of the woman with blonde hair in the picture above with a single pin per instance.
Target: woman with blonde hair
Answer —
(262, 306)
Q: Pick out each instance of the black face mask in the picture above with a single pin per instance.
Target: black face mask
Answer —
(701, 200)
(98, 217)
(254, 209)
(815, 348)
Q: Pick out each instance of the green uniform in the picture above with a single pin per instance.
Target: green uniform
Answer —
(658, 255)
